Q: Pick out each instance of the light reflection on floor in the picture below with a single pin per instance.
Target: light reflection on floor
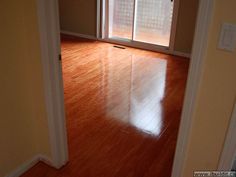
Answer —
(139, 92)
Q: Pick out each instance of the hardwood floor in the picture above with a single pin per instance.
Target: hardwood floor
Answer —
(123, 110)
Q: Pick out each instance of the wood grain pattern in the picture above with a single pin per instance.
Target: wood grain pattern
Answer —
(123, 109)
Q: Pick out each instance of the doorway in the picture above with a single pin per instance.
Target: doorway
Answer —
(139, 21)
(160, 65)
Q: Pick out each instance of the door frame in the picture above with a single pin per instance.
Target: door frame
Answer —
(50, 49)
(228, 155)
(102, 12)
(205, 13)
(49, 33)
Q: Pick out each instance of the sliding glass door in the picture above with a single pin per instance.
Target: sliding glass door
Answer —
(146, 21)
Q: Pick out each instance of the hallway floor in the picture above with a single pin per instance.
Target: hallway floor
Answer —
(123, 109)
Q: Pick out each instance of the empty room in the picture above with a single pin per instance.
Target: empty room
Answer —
(118, 88)
(124, 66)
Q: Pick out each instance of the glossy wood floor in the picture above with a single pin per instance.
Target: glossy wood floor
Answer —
(123, 110)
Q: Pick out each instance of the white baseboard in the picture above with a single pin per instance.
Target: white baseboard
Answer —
(181, 54)
(46, 160)
(79, 35)
(29, 164)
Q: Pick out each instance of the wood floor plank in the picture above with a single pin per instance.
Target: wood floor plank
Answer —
(123, 110)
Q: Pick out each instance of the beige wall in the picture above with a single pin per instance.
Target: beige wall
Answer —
(23, 124)
(215, 97)
(186, 25)
(78, 16)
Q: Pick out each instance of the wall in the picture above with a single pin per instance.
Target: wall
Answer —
(215, 99)
(186, 25)
(23, 123)
(78, 16)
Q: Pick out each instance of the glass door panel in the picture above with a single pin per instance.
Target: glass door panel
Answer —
(121, 13)
(153, 21)
(147, 21)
